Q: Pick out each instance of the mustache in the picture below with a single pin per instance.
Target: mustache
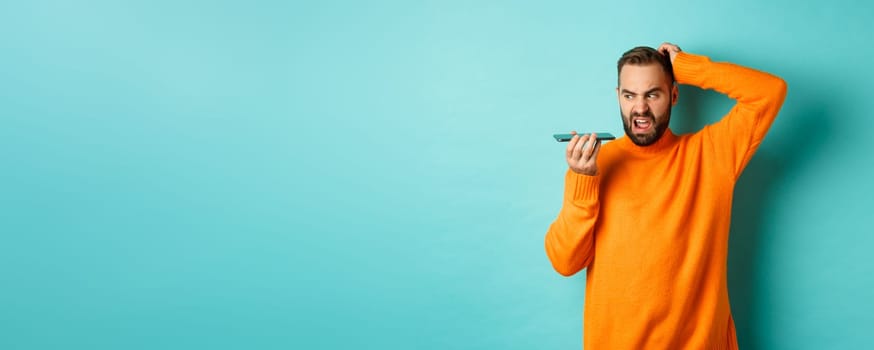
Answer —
(644, 114)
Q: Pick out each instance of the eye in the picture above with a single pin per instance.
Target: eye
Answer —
(628, 96)
(652, 96)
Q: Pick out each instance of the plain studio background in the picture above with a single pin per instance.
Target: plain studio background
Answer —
(380, 175)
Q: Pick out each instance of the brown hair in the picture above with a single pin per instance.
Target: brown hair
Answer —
(643, 55)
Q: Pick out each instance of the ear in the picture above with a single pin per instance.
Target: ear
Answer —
(675, 94)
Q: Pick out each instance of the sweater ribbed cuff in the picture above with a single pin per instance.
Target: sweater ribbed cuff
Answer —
(689, 68)
(580, 187)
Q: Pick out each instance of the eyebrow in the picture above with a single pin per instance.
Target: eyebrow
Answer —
(656, 89)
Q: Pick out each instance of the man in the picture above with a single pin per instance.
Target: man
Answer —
(648, 214)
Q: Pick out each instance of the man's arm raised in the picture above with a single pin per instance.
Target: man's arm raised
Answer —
(759, 96)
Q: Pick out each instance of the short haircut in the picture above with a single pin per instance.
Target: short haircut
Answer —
(644, 55)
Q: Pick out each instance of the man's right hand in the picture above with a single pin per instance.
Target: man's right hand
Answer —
(582, 153)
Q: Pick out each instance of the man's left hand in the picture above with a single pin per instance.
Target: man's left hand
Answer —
(669, 49)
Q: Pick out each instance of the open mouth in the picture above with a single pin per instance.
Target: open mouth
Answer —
(642, 124)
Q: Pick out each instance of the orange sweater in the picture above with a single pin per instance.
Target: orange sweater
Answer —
(652, 226)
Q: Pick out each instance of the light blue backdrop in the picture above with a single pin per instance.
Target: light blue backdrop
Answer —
(379, 175)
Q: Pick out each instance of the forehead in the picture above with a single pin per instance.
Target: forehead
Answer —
(642, 77)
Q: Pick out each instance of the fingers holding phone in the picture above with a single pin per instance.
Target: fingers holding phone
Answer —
(582, 153)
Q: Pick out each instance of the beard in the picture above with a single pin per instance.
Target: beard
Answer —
(660, 125)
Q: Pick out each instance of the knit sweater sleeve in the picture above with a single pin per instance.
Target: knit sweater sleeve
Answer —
(570, 239)
(759, 95)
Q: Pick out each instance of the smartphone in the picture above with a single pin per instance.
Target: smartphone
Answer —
(601, 136)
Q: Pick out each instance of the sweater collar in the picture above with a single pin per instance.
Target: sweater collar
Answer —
(667, 141)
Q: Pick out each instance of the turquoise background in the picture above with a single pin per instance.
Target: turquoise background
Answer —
(380, 175)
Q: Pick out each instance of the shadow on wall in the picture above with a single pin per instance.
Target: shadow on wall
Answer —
(753, 198)
(753, 203)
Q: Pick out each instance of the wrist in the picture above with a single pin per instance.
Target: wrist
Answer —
(585, 172)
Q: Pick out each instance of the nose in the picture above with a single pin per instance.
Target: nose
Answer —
(640, 106)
